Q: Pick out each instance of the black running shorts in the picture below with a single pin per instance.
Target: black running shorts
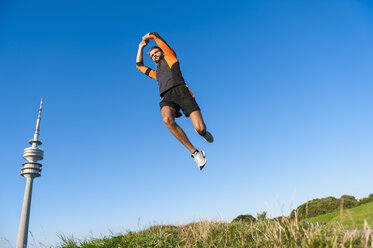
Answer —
(179, 97)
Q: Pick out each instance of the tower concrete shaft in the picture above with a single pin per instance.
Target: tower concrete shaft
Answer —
(30, 170)
(25, 216)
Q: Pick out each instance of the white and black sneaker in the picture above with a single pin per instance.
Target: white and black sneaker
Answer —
(207, 136)
(200, 158)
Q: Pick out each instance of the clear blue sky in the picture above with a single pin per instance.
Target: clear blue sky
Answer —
(284, 86)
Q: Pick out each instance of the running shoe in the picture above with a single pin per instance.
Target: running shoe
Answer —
(200, 158)
(207, 136)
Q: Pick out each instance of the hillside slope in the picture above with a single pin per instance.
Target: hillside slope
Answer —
(268, 233)
(351, 218)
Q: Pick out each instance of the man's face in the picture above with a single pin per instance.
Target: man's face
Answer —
(155, 55)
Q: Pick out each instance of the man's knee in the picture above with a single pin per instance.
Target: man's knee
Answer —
(168, 121)
(200, 128)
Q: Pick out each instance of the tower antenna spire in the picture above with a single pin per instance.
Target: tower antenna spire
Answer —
(35, 142)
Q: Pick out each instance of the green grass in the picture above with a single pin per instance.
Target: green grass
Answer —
(269, 233)
(347, 228)
(352, 218)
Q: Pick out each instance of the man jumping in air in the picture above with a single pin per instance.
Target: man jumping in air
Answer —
(174, 92)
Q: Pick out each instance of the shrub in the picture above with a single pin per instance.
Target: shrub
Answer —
(262, 215)
(244, 218)
(323, 206)
(366, 200)
(316, 207)
(349, 201)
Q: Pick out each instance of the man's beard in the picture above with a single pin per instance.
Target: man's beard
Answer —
(159, 59)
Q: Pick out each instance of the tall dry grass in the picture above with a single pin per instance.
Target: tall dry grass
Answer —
(281, 232)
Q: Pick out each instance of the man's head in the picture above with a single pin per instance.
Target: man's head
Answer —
(155, 54)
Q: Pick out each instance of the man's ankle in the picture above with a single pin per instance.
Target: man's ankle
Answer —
(202, 133)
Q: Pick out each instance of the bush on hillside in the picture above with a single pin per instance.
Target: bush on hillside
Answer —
(323, 206)
(244, 218)
(366, 200)
(262, 215)
(316, 207)
(348, 201)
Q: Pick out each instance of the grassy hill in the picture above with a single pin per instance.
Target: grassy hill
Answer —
(278, 232)
(352, 218)
(281, 232)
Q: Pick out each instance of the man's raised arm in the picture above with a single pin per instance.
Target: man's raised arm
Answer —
(140, 61)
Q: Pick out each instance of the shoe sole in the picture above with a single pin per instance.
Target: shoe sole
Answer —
(204, 156)
(209, 141)
(205, 138)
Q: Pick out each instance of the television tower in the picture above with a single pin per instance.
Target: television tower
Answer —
(30, 170)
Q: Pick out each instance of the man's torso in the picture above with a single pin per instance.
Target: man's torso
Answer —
(168, 77)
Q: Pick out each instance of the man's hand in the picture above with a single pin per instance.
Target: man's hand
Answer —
(146, 37)
(143, 43)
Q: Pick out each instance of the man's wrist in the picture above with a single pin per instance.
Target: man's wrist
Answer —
(146, 37)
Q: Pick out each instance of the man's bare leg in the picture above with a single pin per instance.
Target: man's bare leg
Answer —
(199, 126)
(197, 121)
(168, 117)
